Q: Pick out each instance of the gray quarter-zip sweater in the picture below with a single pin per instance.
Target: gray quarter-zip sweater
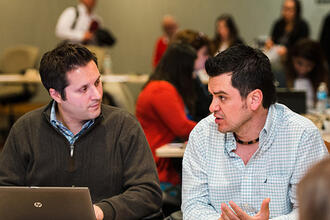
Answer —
(112, 158)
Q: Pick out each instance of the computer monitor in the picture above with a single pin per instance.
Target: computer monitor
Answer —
(293, 99)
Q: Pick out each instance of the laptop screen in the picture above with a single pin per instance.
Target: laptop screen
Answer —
(293, 99)
(29, 203)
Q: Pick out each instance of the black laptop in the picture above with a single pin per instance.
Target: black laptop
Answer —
(293, 99)
(51, 203)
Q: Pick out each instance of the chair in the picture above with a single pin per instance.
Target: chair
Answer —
(17, 59)
(327, 144)
(121, 94)
(100, 53)
(155, 216)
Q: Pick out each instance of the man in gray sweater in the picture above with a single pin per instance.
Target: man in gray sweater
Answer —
(77, 141)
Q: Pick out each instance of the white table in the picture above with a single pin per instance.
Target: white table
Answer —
(171, 150)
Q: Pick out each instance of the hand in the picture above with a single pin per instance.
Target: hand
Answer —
(88, 36)
(282, 51)
(239, 214)
(98, 213)
(269, 44)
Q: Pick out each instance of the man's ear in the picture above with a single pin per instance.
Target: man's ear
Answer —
(55, 95)
(255, 99)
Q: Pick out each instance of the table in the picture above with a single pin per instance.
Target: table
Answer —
(171, 150)
(30, 76)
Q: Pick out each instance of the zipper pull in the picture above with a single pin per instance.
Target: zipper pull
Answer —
(71, 150)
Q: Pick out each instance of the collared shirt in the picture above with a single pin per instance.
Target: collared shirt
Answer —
(214, 174)
(65, 131)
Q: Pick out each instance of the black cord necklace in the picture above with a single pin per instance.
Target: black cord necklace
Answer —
(246, 142)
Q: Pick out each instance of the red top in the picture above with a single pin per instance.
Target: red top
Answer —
(160, 48)
(161, 112)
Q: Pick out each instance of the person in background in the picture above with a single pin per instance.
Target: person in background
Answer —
(77, 141)
(314, 192)
(226, 34)
(163, 105)
(287, 30)
(169, 26)
(306, 68)
(78, 24)
(325, 38)
(201, 43)
(251, 152)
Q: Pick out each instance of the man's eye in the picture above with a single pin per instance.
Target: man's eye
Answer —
(97, 82)
(222, 98)
(83, 89)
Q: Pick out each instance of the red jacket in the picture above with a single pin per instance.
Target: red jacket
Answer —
(160, 48)
(161, 112)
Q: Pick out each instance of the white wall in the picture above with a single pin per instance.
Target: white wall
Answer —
(136, 23)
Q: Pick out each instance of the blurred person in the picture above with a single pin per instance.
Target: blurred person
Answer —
(169, 26)
(288, 29)
(78, 24)
(325, 38)
(314, 192)
(245, 160)
(164, 103)
(226, 34)
(306, 68)
(201, 43)
(77, 141)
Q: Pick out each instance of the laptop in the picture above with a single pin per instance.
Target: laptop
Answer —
(51, 203)
(293, 99)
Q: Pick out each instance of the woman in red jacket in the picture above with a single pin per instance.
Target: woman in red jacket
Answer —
(165, 103)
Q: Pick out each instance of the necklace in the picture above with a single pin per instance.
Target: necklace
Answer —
(246, 142)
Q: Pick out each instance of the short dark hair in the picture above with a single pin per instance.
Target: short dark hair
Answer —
(250, 70)
(56, 63)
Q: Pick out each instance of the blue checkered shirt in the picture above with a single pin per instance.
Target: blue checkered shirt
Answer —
(214, 174)
(65, 131)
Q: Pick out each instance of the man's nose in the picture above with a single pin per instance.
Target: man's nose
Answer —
(214, 106)
(97, 92)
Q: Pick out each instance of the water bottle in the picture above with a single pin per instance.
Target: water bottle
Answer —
(322, 97)
(107, 64)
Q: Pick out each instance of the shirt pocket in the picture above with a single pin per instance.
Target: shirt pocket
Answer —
(276, 187)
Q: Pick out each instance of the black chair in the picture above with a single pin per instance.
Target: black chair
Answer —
(159, 215)
(171, 199)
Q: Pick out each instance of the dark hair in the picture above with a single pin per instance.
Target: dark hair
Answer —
(176, 66)
(250, 70)
(56, 63)
(314, 192)
(195, 39)
(233, 31)
(312, 51)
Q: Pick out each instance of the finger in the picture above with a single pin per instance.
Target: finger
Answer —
(239, 212)
(265, 206)
(224, 216)
(226, 211)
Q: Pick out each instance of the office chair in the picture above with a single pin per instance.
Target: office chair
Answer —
(17, 59)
